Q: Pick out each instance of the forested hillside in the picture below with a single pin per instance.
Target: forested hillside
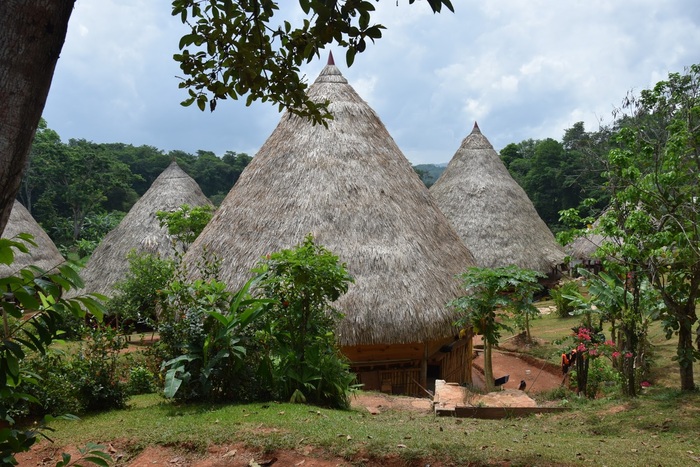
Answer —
(561, 175)
(429, 173)
(79, 190)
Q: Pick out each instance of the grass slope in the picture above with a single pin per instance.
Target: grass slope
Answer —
(658, 428)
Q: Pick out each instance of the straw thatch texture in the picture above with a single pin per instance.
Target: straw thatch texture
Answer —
(45, 255)
(352, 188)
(583, 247)
(140, 230)
(491, 212)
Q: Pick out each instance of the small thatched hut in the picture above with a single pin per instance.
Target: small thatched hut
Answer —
(45, 255)
(351, 187)
(140, 230)
(582, 250)
(492, 213)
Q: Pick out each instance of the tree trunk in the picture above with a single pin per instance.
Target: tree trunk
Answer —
(32, 33)
(527, 329)
(685, 351)
(488, 367)
(630, 388)
(581, 373)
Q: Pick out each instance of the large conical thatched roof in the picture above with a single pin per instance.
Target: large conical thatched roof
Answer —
(140, 230)
(45, 255)
(352, 188)
(491, 212)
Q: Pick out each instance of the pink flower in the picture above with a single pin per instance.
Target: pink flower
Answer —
(646, 384)
(616, 354)
(628, 355)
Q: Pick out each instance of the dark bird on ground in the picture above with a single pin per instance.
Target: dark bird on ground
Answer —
(522, 385)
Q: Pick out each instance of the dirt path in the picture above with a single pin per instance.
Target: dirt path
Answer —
(538, 376)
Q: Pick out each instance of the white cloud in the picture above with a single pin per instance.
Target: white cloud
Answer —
(522, 69)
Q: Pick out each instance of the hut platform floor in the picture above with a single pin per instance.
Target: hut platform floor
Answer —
(448, 396)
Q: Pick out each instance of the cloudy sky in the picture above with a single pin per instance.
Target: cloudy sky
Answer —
(522, 69)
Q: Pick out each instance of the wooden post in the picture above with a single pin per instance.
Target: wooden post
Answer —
(424, 366)
(470, 356)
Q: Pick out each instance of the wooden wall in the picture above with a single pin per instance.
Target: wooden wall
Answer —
(411, 369)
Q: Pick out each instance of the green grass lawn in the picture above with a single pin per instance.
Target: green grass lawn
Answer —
(655, 429)
(660, 427)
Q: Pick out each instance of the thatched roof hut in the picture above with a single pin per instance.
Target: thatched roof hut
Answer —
(583, 247)
(351, 187)
(140, 230)
(45, 255)
(491, 212)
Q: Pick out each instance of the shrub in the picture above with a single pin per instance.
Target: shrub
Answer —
(565, 306)
(304, 359)
(139, 295)
(602, 377)
(141, 381)
(55, 391)
(213, 342)
(96, 370)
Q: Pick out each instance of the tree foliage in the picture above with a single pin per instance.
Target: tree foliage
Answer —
(186, 223)
(653, 179)
(80, 191)
(560, 175)
(32, 308)
(303, 283)
(488, 292)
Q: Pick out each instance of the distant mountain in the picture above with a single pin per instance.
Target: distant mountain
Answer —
(429, 173)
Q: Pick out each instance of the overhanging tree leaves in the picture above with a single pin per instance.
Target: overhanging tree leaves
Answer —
(32, 309)
(240, 48)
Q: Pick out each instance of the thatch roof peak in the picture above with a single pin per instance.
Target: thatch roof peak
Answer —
(45, 255)
(330, 58)
(491, 212)
(476, 140)
(352, 188)
(330, 74)
(172, 171)
(140, 229)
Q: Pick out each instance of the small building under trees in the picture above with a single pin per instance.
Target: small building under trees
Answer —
(349, 185)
